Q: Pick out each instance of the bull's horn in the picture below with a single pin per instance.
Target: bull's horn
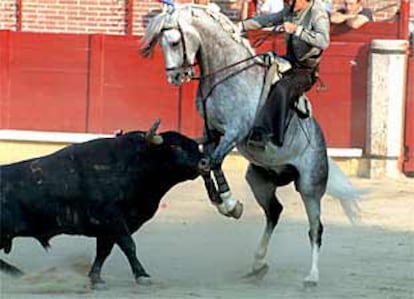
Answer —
(151, 135)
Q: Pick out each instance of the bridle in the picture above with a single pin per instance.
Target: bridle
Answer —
(186, 60)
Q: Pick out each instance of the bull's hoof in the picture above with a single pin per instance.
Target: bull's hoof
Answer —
(10, 269)
(258, 273)
(144, 280)
(99, 286)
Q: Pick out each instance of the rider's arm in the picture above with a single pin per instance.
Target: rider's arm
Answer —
(318, 35)
(262, 21)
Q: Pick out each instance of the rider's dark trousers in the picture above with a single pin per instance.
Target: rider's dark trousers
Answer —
(272, 117)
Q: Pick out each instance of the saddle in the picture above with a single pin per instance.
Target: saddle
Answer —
(277, 67)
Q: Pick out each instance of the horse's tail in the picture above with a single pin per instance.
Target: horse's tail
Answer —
(340, 187)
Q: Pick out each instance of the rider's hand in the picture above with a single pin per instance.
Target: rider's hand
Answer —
(290, 27)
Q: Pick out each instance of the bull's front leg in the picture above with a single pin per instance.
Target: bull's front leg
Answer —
(217, 151)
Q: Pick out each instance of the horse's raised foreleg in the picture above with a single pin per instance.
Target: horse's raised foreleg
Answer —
(211, 188)
(216, 150)
(263, 186)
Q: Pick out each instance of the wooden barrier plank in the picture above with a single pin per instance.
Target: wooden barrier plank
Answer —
(47, 82)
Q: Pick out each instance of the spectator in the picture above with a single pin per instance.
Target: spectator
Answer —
(352, 14)
(248, 8)
(271, 6)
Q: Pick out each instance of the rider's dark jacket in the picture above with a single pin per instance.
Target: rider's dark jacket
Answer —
(305, 46)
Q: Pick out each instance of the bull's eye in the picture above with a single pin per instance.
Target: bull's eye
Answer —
(175, 44)
(176, 147)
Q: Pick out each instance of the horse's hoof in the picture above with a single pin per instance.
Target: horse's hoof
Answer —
(237, 211)
(258, 273)
(144, 280)
(222, 210)
(310, 281)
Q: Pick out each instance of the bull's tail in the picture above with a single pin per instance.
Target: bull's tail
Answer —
(341, 188)
(10, 269)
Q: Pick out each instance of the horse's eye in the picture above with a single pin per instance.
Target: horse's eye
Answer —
(175, 44)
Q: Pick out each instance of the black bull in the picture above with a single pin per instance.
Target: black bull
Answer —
(105, 188)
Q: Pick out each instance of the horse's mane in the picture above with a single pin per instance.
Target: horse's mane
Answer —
(158, 22)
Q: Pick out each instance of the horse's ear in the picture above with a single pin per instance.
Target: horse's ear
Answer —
(151, 136)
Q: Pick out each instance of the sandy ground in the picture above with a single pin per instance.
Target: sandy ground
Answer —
(193, 252)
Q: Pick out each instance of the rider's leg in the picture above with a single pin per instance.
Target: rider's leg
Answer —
(272, 117)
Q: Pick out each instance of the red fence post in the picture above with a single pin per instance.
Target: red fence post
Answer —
(408, 163)
(130, 17)
(94, 104)
(404, 19)
(19, 15)
(5, 49)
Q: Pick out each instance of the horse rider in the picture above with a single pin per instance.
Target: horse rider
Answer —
(306, 27)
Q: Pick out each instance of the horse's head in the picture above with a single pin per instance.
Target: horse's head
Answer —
(180, 44)
(179, 41)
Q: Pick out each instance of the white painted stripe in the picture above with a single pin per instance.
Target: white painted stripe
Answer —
(345, 152)
(65, 137)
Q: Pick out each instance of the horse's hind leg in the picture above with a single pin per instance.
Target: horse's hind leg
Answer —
(263, 187)
(312, 200)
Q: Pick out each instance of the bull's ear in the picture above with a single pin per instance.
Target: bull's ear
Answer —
(151, 136)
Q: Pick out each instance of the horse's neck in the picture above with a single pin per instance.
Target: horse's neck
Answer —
(219, 51)
(215, 57)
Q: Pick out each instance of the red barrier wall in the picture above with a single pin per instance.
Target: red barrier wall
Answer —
(81, 83)
(99, 83)
(127, 91)
(46, 81)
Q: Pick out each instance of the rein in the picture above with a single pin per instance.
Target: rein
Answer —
(227, 67)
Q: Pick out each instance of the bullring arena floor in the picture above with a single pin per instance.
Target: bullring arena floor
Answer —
(193, 252)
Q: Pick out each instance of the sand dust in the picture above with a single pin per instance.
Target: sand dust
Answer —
(193, 252)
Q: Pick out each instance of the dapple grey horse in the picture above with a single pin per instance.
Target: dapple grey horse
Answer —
(229, 94)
